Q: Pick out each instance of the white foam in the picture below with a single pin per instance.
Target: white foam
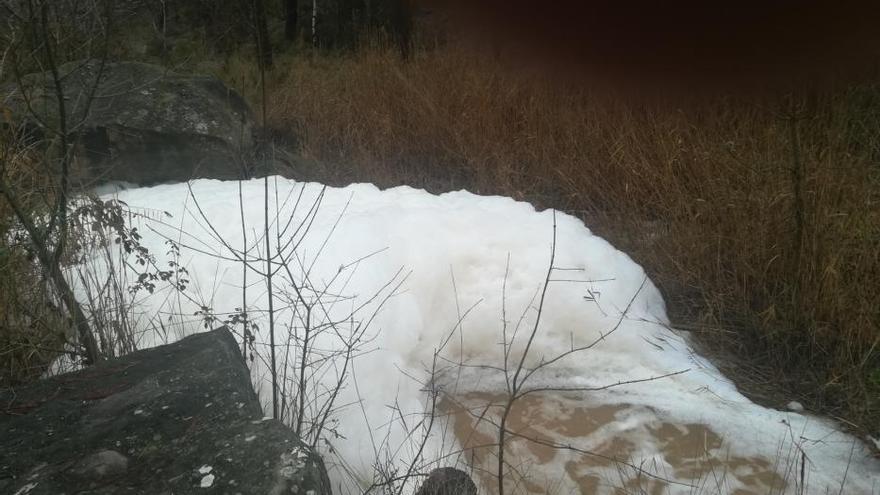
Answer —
(468, 238)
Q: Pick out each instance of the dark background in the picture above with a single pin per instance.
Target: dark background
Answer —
(685, 45)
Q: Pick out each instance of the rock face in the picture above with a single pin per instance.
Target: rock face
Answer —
(176, 419)
(140, 123)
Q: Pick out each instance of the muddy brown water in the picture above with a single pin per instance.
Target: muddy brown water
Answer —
(562, 444)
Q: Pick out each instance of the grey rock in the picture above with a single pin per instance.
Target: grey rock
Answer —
(181, 418)
(139, 123)
(448, 481)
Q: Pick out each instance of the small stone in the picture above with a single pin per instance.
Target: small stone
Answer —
(207, 481)
(447, 480)
(795, 406)
(205, 469)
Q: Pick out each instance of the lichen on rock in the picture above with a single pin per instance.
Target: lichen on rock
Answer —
(139, 424)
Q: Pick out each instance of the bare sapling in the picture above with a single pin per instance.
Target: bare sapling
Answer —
(517, 375)
(321, 329)
(36, 39)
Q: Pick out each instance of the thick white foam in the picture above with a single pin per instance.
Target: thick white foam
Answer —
(474, 241)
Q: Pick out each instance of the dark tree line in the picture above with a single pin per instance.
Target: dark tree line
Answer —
(325, 24)
(340, 23)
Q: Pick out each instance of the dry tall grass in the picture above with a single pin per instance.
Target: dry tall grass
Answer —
(32, 326)
(759, 220)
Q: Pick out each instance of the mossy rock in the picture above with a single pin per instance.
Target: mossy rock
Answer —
(139, 123)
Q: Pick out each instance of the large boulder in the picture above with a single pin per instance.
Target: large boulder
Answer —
(139, 123)
(181, 418)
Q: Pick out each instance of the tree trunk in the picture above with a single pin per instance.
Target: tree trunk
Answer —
(340, 24)
(264, 46)
(314, 22)
(401, 26)
(291, 8)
